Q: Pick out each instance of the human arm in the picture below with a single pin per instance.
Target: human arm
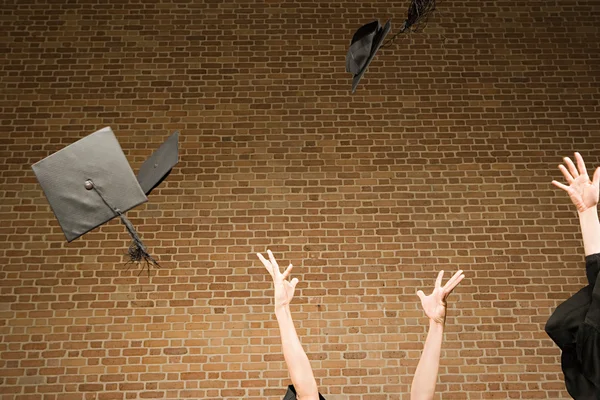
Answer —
(296, 359)
(434, 305)
(584, 194)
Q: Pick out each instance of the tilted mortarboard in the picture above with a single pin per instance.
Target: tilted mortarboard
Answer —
(365, 43)
(368, 39)
(90, 182)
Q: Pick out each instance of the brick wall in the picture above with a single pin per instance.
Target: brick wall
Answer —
(442, 159)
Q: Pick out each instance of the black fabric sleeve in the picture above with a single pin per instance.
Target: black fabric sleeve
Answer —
(592, 267)
(588, 339)
(291, 394)
(565, 321)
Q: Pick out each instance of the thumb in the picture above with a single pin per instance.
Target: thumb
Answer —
(294, 282)
(421, 294)
(596, 180)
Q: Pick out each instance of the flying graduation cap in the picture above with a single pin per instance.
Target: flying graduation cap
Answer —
(369, 37)
(90, 182)
(365, 43)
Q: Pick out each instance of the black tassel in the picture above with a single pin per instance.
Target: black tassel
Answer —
(137, 251)
(416, 19)
(418, 12)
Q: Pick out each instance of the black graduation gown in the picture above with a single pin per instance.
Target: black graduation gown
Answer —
(291, 394)
(575, 327)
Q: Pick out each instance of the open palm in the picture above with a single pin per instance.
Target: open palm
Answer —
(284, 289)
(434, 305)
(583, 192)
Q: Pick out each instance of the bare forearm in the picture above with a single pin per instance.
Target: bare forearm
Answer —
(297, 362)
(425, 379)
(590, 230)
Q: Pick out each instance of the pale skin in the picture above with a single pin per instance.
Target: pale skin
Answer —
(434, 305)
(296, 359)
(584, 194)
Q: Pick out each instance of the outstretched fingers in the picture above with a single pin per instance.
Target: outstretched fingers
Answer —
(272, 266)
(452, 278)
(596, 179)
(571, 166)
(568, 177)
(454, 281)
(580, 164)
(562, 186)
(287, 271)
(438, 280)
(266, 263)
(273, 261)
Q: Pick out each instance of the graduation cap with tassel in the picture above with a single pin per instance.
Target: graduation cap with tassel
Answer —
(368, 39)
(90, 182)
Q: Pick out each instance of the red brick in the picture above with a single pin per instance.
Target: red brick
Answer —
(441, 159)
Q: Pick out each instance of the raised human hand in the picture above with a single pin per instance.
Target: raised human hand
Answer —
(434, 305)
(583, 192)
(284, 289)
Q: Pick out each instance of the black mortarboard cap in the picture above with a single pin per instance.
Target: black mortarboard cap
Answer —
(365, 43)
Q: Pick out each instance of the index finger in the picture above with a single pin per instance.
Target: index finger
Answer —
(452, 279)
(438, 280)
(580, 164)
(562, 186)
(267, 264)
(571, 167)
(459, 276)
(566, 174)
(273, 262)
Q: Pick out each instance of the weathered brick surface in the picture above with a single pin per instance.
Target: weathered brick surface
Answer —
(442, 159)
